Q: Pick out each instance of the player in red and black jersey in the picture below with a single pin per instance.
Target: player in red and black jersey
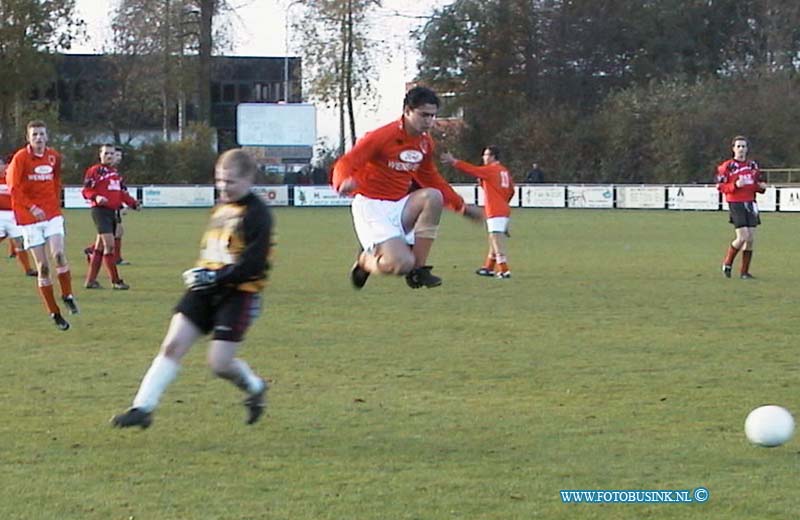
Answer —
(102, 187)
(740, 179)
(223, 296)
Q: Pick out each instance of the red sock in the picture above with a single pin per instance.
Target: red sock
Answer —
(65, 282)
(118, 249)
(730, 255)
(746, 256)
(111, 266)
(94, 266)
(49, 299)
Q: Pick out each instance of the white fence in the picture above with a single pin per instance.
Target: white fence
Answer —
(610, 196)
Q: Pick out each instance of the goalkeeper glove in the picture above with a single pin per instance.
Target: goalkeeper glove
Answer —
(199, 278)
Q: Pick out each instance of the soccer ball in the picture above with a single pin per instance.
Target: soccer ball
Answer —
(769, 426)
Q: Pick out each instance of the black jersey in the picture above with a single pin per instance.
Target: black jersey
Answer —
(237, 243)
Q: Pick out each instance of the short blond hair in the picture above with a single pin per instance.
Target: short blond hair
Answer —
(239, 160)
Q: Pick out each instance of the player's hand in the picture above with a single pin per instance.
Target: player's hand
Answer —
(199, 278)
(473, 212)
(100, 200)
(762, 186)
(38, 213)
(348, 186)
(448, 158)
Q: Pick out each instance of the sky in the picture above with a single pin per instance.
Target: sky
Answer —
(259, 30)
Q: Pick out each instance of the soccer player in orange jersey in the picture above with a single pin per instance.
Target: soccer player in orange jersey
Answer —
(396, 228)
(8, 224)
(498, 189)
(34, 179)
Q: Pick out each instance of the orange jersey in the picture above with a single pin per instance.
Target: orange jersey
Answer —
(498, 187)
(385, 161)
(5, 195)
(35, 181)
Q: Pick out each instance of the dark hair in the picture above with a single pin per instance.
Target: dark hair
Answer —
(494, 150)
(740, 138)
(107, 145)
(418, 96)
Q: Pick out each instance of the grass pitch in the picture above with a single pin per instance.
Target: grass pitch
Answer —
(617, 357)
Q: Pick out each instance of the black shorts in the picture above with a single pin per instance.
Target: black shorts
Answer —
(743, 214)
(118, 216)
(105, 219)
(227, 312)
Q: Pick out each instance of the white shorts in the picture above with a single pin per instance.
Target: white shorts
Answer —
(376, 221)
(36, 234)
(8, 225)
(497, 224)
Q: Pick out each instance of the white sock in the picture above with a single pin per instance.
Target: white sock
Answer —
(160, 374)
(250, 382)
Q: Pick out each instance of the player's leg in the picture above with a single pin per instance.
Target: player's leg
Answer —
(232, 319)
(487, 269)
(35, 244)
(181, 335)
(119, 231)
(55, 243)
(95, 253)
(499, 246)
(22, 256)
(738, 219)
(747, 253)
(422, 213)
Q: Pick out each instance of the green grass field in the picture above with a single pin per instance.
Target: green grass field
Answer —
(617, 357)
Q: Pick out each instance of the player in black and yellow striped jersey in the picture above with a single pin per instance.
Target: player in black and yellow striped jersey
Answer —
(223, 295)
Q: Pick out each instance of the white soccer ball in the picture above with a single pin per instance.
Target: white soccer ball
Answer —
(769, 426)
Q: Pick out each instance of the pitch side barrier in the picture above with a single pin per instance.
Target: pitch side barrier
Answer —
(697, 197)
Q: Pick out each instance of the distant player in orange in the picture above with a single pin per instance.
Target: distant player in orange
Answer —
(740, 179)
(498, 189)
(102, 187)
(8, 224)
(34, 178)
(397, 228)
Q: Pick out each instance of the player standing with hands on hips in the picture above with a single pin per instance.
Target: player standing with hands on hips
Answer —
(223, 296)
(396, 228)
(740, 179)
(498, 189)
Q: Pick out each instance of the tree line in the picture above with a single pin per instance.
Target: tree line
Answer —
(618, 90)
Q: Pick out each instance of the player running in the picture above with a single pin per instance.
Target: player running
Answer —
(223, 296)
(34, 179)
(102, 187)
(8, 224)
(740, 179)
(396, 228)
(498, 189)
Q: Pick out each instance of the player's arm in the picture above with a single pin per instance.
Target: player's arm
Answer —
(344, 177)
(57, 179)
(761, 185)
(89, 182)
(725, 183)
(480, 172)
(428, 176)
(128, 200)
(15, 179)
(252, 262)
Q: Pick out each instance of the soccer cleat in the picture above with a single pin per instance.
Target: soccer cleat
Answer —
(358, 276)
(31, 272)
(94, 284)
(133, 417)
(120, 285)
(61, 323)
(747, 276)
(123, 262)
(256, 404)
(503, 274)
(422, 277)
(484, 271)
(726, 270)
(71, 304)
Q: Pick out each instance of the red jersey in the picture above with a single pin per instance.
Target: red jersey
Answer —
(5, 195)
(35, 180)
(732, 170)
(386, 160)
(498, 187)
(107, 182)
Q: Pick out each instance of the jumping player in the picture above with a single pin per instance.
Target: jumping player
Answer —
(498, 189)
(223, 296)
(740, 179)
(396, 228)
(102, 187)
(34, 179)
